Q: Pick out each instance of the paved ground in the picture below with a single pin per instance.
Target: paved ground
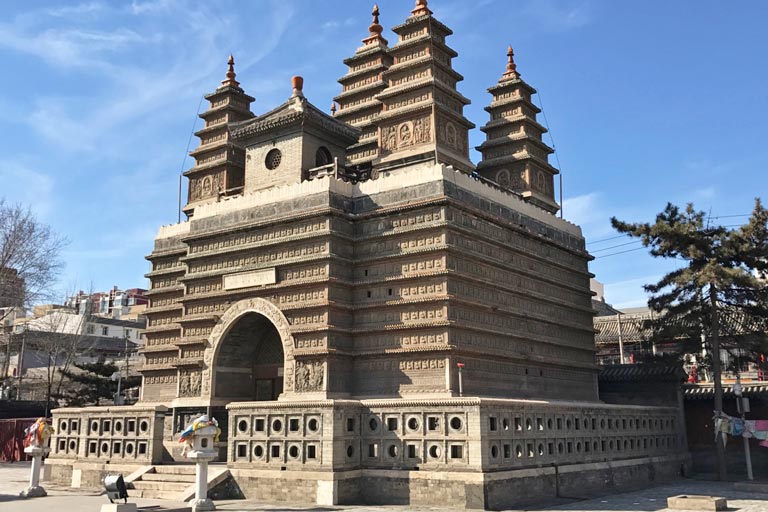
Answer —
(14, 478)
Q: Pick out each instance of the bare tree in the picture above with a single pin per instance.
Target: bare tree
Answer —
(29, 264)
(29, 257)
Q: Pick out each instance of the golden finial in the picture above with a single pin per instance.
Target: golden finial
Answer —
(230, 80)
(511, 71)
(375, 28)
(333, 108)
(421, 8)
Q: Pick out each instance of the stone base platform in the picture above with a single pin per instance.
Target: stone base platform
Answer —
(471, 490)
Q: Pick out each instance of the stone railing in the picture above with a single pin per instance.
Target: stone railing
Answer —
(118, 434)
(458, 434)
(299, 435)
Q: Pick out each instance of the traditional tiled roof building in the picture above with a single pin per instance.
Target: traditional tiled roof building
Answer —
(367, 304)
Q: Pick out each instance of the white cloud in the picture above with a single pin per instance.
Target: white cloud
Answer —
(21, 184)
(198, 40)
(629, 293)
(705, 193)
(77, 10)
(554, 16)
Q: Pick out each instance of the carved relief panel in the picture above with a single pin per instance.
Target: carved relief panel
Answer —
(406, 134)
(190, 383)
(206, 186)
(309, 376)
(452, 135)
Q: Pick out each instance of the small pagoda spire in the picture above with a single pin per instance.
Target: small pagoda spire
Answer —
(230, 80)
(375, 29)
(333, 108)
(421, 8)
(511, 72)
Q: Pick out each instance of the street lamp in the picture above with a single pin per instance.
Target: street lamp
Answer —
(117, 376)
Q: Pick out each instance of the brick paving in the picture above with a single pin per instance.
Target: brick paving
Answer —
(13, 478)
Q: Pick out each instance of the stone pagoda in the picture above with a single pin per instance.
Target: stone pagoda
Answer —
(514, 154)
(422, 112)
(219, 168)
(368, 320)
(357, 103)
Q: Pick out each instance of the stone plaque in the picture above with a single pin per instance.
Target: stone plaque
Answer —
(248, 279)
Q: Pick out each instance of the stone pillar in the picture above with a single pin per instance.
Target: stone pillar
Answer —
(35, 490)
(203, 452)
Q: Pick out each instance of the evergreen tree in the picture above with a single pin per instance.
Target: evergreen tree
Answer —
(718, 300)
(93, 383)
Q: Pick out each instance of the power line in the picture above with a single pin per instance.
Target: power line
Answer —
(616, 246)
(620, 252)
(607, 239)
(186, 153)
(554, 150)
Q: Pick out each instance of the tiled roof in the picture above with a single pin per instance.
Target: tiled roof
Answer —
(635, 328)
(707, 390)
(137, 324)
(641, 372)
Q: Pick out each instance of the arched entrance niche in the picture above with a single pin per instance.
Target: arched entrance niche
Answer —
(249, 365)
(251, 350)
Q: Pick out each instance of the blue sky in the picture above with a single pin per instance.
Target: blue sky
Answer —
(648, 102)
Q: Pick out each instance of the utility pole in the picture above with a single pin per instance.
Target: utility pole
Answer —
(21, 360)
(743, 405)
(621, 339)
(125, 335)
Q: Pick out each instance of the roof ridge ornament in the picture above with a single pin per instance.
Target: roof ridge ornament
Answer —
(230, 80)
(297, 83)
(421, 8)
(511, 72)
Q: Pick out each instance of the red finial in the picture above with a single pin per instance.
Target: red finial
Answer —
(333, 108)
(421, 8)
(511, 71)
(297, 83)
(230, 80)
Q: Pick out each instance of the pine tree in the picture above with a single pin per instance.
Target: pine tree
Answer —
(93, 383)
(718, 300)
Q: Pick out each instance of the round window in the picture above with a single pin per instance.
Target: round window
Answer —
(274, 157)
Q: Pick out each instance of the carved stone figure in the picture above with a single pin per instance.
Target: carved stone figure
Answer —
(405, 133)
(502, 178)
(309, 376)
(190, 383)
(450, 135)
(389, 138)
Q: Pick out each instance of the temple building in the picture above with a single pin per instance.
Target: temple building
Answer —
(371, 317)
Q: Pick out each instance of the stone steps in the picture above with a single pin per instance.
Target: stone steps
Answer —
(176, 469)
(171, 482)
(171, 487)
(163, 477)
(149, 494)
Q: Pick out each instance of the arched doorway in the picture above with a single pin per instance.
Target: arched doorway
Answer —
(249, 361)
